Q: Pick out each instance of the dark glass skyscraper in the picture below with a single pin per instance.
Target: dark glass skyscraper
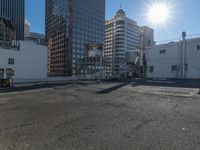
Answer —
(13, 10)
(71, 25)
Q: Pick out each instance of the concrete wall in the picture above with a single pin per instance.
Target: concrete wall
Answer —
(162, 63)
(46, 80)
(30, 62)
(193, 59)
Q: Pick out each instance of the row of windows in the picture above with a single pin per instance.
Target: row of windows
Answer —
(120, 22)
(110, 25)
(163, 51)
(173, 68)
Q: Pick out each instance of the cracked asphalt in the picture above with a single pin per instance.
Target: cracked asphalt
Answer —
(109, 116)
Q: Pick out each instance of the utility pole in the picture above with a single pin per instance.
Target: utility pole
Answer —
(101, 68)
(141, 51)
(183, 54)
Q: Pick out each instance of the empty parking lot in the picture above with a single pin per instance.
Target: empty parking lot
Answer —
(101, 116)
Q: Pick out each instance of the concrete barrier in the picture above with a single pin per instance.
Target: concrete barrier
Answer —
(48, 79)
(57, 79)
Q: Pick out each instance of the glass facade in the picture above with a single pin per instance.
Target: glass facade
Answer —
(70, 26)
(13, 10)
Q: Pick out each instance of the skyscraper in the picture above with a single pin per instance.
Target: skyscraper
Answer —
(13, 10)
(122, 35)
(72, 25)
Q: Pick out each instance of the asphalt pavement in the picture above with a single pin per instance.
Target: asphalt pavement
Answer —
(101, 116)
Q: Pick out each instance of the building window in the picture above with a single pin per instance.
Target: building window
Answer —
(151, 68)
(120, 22)
(174, 67)
(11, 61)
(162, 51)
(198, 47)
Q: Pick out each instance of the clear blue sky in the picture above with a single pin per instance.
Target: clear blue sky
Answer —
(185, 16)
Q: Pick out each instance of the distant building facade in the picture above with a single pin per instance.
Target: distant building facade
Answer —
(26, 27)
(146, 40)
(148, 36)
(7, 33)
(70, 26)
(13, 10)
(175, 60)
(122, 35)
(32, 36)
(35, 37)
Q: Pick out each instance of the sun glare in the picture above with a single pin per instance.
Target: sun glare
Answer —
(158, 13)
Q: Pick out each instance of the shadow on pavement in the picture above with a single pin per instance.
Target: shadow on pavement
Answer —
(39, 86)
(169, 83)
(29, 87)
(108, 90)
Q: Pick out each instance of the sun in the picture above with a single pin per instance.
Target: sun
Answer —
(159, 13)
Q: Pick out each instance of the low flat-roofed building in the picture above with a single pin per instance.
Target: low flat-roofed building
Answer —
(174, 60)
(28, 60)
(35, 37)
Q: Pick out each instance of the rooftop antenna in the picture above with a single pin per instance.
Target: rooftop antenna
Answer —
(120, 6)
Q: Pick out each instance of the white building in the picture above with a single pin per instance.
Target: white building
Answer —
(121, 36)
(27, 59)
(177, 60)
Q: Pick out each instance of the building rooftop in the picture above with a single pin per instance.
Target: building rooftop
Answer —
(121, 12)
(35, 35)
(172, 43)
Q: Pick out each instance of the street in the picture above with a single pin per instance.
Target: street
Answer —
(101, 116)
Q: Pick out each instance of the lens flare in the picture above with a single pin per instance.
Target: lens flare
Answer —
(159, 13)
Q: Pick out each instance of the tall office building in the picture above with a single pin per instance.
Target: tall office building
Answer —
(13, 11)
(122, 35)
(71, 26)
(148, 36)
